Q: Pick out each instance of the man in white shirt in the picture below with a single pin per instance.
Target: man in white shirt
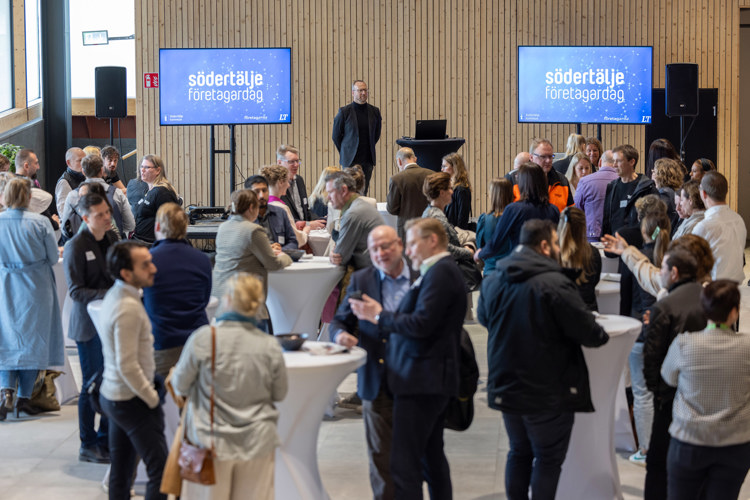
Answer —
(723, 228)
(129, 396)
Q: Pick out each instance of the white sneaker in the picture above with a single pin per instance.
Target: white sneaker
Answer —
(638, 458)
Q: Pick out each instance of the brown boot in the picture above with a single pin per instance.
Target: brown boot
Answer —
(6, 403)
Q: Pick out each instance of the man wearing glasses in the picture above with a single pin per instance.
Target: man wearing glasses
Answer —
(356, 130)
(543, 155)
(296, 196)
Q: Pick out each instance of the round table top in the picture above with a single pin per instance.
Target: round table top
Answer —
(303, 359)
(308, 263)
(615, 325)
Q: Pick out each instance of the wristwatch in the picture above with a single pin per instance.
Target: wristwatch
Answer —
(377, 318)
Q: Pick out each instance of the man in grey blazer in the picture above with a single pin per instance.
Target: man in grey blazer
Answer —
(356, 130)
(405, 197)
(86, 273)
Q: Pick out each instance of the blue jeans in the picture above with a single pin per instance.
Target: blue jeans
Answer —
(706, 471)
(643, 399)
(538, 444)
(92, 360)
(24, 379)
(135, 430)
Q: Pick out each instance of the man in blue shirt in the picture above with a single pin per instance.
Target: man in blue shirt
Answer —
(273, 219)
(387, 281)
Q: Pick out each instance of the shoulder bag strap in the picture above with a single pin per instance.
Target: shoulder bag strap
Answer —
(213, 381)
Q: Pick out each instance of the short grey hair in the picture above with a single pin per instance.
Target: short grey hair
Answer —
(341, 179)
(405, 153)
(284, 149)
(608, 158)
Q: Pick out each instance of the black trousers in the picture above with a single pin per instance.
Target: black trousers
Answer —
(706, 471)
(135, 430)
(417, 450)
(656, 459)
(378, 418)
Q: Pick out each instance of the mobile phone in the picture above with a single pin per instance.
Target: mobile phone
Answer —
(356, 295)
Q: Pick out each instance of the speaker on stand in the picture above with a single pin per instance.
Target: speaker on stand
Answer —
(111, 98)
(681, 87)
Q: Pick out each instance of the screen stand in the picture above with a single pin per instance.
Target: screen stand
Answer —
(212, 164)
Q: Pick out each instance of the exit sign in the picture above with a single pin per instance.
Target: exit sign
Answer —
(151, 80)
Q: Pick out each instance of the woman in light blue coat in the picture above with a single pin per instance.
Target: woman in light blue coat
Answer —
(31, 336)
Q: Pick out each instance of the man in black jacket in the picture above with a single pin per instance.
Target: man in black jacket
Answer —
(296, 196)
(678, 312)
(88, 280)
(622, 193)
(537, 373)
(356, 131)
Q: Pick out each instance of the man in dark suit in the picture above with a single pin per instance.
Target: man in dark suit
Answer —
(386, 281)
(87, 277)
(356, 130)
(406, 200)
(296, 196)
(421, 360)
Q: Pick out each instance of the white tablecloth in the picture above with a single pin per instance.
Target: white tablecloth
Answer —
(590, 469)
(318, 240)
(297, 294)
(312, 380)
(608, 297)
(65, 385)
(389, 219)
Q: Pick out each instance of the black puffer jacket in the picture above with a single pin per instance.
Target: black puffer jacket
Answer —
(678, 312)
(537, 322)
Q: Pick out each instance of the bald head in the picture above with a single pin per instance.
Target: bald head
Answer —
(521, 158)
(608, 159)
(73, 158)
(386, 250)
(405, 156)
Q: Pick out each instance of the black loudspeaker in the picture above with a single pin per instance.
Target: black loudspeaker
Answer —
(682, 89)
(111, 98)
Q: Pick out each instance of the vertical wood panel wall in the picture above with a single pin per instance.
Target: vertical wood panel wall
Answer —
(452, 59)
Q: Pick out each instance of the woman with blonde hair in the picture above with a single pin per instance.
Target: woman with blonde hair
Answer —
(580, 166)
(576, 144)
(577, 253)
(278, 183)
(242, 245)
(160, 191)
(458, 210)
(319, 197)
(31, 335)
(501, 195)
(232, 374)
(5, 178)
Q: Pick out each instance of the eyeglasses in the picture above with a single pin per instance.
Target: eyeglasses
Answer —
(146, 167)
(385, 246)
(292, 162)
(544, 157)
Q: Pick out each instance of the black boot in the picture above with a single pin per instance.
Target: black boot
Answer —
(6, 403)
(24, 405)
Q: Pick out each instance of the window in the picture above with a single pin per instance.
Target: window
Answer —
(6, 57)
(33, 52)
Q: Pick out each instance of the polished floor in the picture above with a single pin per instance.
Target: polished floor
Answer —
(38, 456)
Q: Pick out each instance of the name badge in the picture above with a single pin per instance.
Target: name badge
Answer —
(623, 203)
(90, 256)
(282, 240)
(304, 201)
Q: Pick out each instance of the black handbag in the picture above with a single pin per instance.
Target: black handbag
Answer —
(471, 273)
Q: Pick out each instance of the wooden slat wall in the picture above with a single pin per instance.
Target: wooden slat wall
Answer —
(453, 59)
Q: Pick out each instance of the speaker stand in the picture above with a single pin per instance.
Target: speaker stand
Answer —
(683, 136)
(212, 164)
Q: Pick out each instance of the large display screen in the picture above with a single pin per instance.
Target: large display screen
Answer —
(225, 86)
(584, 84)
